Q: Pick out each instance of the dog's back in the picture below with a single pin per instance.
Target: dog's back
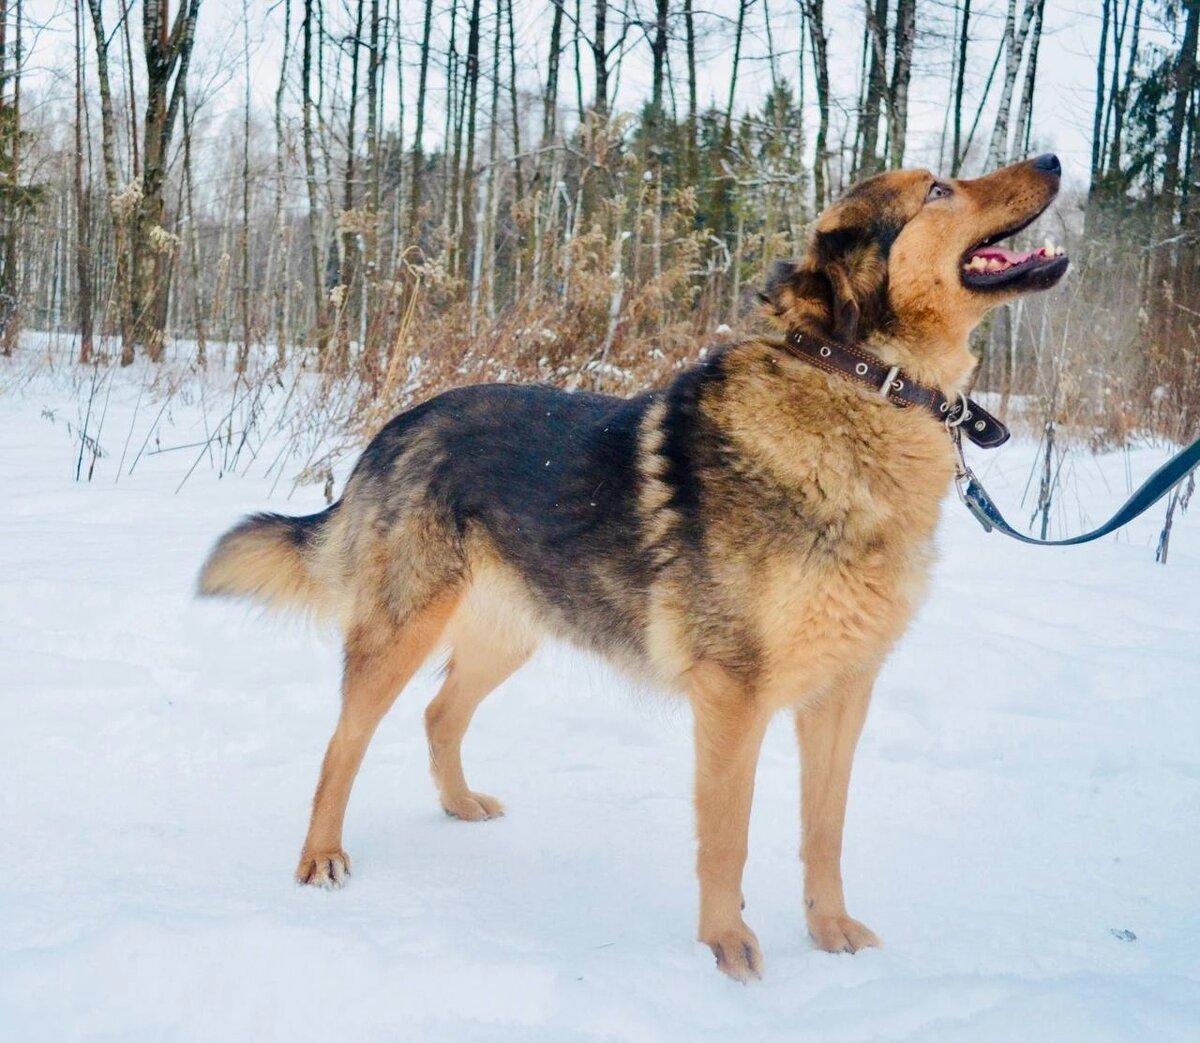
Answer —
(546, 481)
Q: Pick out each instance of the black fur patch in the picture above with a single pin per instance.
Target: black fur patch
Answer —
(551, 478)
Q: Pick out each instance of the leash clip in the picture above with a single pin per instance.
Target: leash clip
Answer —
(965, 482)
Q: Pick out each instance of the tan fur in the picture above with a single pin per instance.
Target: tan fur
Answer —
(818, 529)
(260, 563)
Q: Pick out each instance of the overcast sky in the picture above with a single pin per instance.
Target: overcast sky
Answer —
(1063, 102)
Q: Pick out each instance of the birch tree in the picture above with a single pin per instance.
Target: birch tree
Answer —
(1014, 50)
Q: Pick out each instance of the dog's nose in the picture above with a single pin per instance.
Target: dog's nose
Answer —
(1048, 164)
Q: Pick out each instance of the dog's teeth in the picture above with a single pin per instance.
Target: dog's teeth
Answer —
(995, 265)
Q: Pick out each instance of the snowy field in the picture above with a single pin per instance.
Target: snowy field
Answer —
(1022, 830)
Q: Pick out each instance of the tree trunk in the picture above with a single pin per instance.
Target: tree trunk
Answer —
(693, 150)
(471, 101)
(1170, 365)
(600, 59)
(658, 51)
(1121, 98)
(310, 180)
(877, 34)
(83, 222)
(243, 352)
(10, 290)
(957, 157)
(199, 321)
(348, 269)
(1020, 143)
(483, 281)
(414, 206)
(1098, 110)
(720, 217)
(168, 53)
(577, 27)
(518, 182)
(452, 201)
(905, 35)
(814, 11)
(281, 239)
(550, 100)
(119, 205)
(370, 225)
(1014, 48)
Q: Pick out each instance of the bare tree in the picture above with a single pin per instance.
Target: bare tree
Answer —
(550, 99)
(467, 201)
(243, 353)
(414, 205)
(876, 36)
(518, 183)
(168, 52)
(905, 35)
(1020, 142)
(310, 179)
(281, 238)
(13, 197)
(600, 58)
(118, 207)
(1014, 50)
(83, 221)
(693, 155)
(964, 36)
(658, 52)
(814, 11)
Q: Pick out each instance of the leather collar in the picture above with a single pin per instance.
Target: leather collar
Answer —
(892, 383)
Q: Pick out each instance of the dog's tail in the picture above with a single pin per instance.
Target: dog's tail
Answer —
(271, 558)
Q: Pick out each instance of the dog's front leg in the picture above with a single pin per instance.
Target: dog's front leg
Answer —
(828, 731)
(729, 727)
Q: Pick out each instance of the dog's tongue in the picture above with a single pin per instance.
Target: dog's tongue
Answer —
(1006, 257)
(990, 259)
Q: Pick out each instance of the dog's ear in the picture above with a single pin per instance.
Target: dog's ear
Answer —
(841, 286)
(794, 294)
(852, 258)
(838, 254)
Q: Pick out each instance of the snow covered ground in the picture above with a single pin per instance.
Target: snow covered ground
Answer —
(1022, 830)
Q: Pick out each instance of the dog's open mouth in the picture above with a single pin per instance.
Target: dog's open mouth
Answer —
(990, 267)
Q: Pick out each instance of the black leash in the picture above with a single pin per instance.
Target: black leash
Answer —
(1153, 489)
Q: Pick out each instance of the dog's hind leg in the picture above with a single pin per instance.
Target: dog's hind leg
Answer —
(729, 727)
(380, 660)
(828, 731)
(477, 667)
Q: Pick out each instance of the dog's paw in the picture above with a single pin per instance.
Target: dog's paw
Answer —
(327, 869)
(841, 933)
(736, 950)
(472, 807)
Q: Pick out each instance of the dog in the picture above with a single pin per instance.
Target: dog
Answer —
(756, 535)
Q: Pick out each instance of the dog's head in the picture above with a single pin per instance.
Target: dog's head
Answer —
(909, 262)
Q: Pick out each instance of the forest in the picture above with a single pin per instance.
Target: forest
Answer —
(402, 194)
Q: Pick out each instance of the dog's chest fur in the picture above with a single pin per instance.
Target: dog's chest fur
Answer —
(819, 508)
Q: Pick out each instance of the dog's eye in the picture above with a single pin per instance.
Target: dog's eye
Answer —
(939, 191)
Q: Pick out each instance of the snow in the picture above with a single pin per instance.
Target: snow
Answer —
(1027, 789)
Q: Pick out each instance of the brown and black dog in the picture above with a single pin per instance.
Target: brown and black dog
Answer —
(755, 536)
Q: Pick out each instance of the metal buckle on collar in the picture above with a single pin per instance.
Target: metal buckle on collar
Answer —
(959, 413)
(885, 388)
